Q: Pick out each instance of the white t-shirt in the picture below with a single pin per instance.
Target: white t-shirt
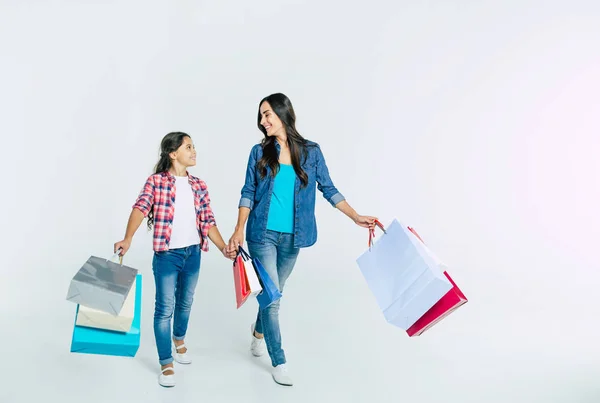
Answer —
(183, 230)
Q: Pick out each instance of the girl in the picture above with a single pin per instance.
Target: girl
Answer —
(278, 202)
(178, 205)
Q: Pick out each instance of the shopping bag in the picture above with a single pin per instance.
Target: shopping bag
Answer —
(102, 284)
(270, 292)
(245, 279)
(90, 317)
(403, 275)
(449, 303)
(242, 288)
(253, 280)
(87, 340)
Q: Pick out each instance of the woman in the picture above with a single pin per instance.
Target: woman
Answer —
(278, 203)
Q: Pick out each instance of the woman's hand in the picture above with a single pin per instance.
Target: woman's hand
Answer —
(236, 240)
(365, 221)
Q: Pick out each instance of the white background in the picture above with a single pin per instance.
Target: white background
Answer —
(474, 122)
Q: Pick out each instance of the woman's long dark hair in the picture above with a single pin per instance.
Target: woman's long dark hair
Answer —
(170, 143)
(282, 107)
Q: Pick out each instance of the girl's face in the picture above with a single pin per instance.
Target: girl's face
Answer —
(185, 154)
(270, 121)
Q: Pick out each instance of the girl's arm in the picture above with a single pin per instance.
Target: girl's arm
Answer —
(215, 236)
(140, 210)
(135, 219)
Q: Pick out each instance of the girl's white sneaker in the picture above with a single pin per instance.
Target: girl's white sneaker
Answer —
(167, 380)
(182, 358)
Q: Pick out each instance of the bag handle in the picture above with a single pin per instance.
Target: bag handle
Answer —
(411, 229)
(372, 232)
(117, 254)
(244, 254)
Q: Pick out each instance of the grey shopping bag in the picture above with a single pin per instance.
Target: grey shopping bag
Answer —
(102, 284)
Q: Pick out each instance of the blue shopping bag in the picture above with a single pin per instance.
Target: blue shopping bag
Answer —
(89, 340)
(403, 275)
(270, 293)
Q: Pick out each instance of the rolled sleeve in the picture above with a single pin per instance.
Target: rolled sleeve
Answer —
(145, 199)
(336, 198)
(249, 188)
(324, 183)
(245, 202)
(207, 219)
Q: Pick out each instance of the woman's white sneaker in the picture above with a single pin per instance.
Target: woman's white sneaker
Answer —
(280, 375)
(258, 346)
(167, 380)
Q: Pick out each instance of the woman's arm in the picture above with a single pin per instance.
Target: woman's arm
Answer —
(331, 194)
(249, 188)
(246, 201)
(324, 183)
(237, 238)
(362, 221)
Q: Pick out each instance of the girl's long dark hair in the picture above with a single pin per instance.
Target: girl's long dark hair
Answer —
(170, 143)
(282, 107)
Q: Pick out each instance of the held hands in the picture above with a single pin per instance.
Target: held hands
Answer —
(227, 253)
(236, 240)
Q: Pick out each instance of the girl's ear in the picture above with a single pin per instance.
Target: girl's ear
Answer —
(173, 155)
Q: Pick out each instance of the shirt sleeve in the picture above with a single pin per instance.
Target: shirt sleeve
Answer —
(207, 217)
(249, 188)
(145, 199)
(324, 183)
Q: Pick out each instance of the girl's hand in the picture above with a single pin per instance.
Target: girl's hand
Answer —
(123, 245)
(231, 255)
(365, 221)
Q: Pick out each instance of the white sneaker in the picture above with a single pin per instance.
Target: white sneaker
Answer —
(182, 358)
(280, 375)
(258, 346)
(167, 380)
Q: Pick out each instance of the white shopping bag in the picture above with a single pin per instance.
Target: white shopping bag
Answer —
(403, 275)
(91, 317)
(253, 281)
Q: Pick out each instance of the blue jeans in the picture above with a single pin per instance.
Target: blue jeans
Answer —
(175, 275)
(278, 256)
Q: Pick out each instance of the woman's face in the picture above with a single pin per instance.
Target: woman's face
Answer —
(270, 121)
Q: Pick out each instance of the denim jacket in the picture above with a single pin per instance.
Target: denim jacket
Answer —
(257, 191)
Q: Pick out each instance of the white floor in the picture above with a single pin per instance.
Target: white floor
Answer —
(474, 121)
(339, 348)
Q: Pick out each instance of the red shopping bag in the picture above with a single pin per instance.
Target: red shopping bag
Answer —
(450, 302)
(242, 285)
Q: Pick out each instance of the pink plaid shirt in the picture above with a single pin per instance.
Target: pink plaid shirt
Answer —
(159, 193)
